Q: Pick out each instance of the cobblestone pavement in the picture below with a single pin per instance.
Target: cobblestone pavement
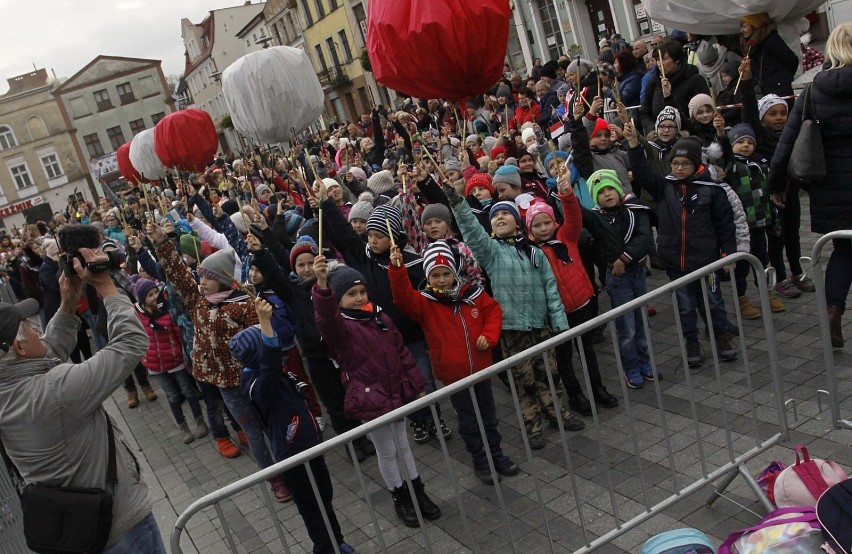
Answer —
(178, 474)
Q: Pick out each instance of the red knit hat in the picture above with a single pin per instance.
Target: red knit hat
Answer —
(497, 150)
(600, 125)
(479, 180)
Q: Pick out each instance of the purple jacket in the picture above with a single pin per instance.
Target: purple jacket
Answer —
(379, 372)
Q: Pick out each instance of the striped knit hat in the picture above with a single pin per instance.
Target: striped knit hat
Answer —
(246, 346)
(386, 212)
(439, 254)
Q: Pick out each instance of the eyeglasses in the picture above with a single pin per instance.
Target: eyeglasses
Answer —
(667, 127)
(682, 165)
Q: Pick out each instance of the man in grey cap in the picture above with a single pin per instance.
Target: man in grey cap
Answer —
(52, 422)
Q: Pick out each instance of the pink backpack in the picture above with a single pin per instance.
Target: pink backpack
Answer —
(802, 483)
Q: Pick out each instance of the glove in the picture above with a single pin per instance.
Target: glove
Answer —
(452, 196)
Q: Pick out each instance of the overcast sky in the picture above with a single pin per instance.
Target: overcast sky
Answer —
(65, 35)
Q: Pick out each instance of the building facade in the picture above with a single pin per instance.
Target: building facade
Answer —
(110, 101)
(42, 164)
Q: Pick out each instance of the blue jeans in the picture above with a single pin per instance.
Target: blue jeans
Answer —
(420, 352)
(144, 538)
(248, 419)
(216, 410)
(92, 321)
(632, 342)
(177, 386)
(469, 428)
(687, 302)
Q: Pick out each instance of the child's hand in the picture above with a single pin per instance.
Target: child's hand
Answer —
(667, 87)
(168, 227)
(618, 268)
(253, 243)
(134, 243)
(579, 108)
(597, 105)
(156, 233)
(719, 124)
(396, 256)
(263, 309)
(745, 69)
(629, 133)
(321, 271)
(481, 343)
(322, 192)
(563, 185)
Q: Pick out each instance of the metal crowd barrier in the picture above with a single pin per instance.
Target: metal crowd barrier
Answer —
(833, 392)
(11, 516)
(684, 452)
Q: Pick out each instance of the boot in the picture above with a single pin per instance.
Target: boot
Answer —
(149, 393)
(428, 508)
(201, 429)
(580, 404)
(603, 397)
(188, 437)
(835, 326)
(748, 310)
(775, 305)
(227, 448)
(403, 507)
(280, 490)
(132, 399)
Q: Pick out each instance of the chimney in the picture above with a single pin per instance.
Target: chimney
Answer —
(27, 81)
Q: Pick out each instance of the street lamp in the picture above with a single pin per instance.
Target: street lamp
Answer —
(264, 42)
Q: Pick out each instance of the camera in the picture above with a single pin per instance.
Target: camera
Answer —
(73, 236)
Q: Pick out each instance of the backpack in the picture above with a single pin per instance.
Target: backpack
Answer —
(679, 541)
(834, 511)
(784, 531)
(802, 483)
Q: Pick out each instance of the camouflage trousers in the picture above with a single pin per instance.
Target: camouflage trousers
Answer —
(530, 376)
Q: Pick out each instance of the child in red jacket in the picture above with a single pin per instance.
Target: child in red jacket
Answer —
(164, 358)
(462, 324)
(559, 244)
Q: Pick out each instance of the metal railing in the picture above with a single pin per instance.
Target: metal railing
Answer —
(684, 449)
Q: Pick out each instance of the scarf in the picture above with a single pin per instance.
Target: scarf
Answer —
(559, 249)
(460, 294)
(218, 297)
(369, 312)
(20, 369)
(523, 246)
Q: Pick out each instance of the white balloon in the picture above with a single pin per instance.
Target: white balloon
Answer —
(711, 17)
(144, 157)
(271, 92)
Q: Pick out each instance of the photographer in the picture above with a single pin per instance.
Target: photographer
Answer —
(52, 422)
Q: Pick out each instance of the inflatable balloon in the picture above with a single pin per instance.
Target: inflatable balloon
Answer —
(438, 48)
(711, 17)
(125, 167)
(186, 139)
(271, 92)
(144, 158)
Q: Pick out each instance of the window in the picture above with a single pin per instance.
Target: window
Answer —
(157, 117)
(332, 5)
(307, 11)
(345, 44)
(192, 48)
(137, 126)
(102, 100)
(116, 137)
(7, 138)
(320, 56)
(20, 174)
(320, 9)
(93, 145)
(125, 93)
(335, 60)
(50, 163)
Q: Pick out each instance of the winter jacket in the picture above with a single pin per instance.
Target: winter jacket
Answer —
(588, 160)
(767, 140)
(379, 371)
(451, 326)
(48, 279)
(164, 345)
(740, 220)
(215, 324)
(831, 209)
(774, 65)
(747, 177)
(686, 82)
(525, 115)
(630, 86)
(621, 233)
(696, 219)
(525, 288)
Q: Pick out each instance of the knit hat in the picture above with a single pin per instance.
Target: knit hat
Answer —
(168, 193)
(436, 211)
(741, 131)
(142, 287)
(731, 69)
(190, 245)
(381, 182)
(240, 220)
(563, 89)
(756, 20)
(504, 91)
(507, 174)
(585, 67)
(230, 207)
(362, 208)
(473, 138)
(377, 220)
(549, 69)
(293, 222)
(439, 254)
(554, 154)
(700, 100)
(527, 134)
(688, 147)
(669, 113)
(452, 164)
(507, 206)
(261, 189)
(601, 179)
(497, 150)
(524, 154)
(600, 125)
(218, 266)
(246, 346)
(707, 53)
(479, 179)
(536, 208)
(304, 245)
(488, 143)
(511, 160)
(765, 103)
(358, 173)
(342, 278)
(330, 183)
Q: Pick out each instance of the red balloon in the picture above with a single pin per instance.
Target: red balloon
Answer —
(186, 139)
(448, 49)
(124, 166)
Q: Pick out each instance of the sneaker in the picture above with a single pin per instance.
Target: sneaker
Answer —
(421, 432)
(803, 283)
(227, 448)
(726, 350)
(243, 438)
(634, 379)
(505, 466)
(786, 289)
(536, 441)
(280, 490)
(647, 372)
(694, 356)
(775, 305)
(320, 423)
(445, 431)
(345, 548)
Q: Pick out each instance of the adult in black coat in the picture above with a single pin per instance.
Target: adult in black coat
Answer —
(682, 81)
(831, 198)
(772, 62)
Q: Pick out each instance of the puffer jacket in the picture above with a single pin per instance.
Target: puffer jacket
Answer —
(831, 208)
(451, 326)
(165, 351)
(380, 373)
(686, 82)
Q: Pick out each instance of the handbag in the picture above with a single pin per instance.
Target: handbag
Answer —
(64, 520)
(807, 159)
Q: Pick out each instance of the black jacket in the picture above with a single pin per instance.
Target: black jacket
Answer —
(686, 82)
(622, 232)
(696, 219)
(774, 65)
(831, 203)
(767, 140)
(48, 279)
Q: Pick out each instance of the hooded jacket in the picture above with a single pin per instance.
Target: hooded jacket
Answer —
(165, 350)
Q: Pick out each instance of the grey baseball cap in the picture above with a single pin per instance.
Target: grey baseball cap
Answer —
(11, 316)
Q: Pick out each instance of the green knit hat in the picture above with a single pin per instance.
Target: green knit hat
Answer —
(187, 247)
(601, 179)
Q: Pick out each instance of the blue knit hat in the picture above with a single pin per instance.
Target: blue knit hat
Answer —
(507, 206)
(246, 346)
(741, 131)
(555, 154)
(507, 174)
